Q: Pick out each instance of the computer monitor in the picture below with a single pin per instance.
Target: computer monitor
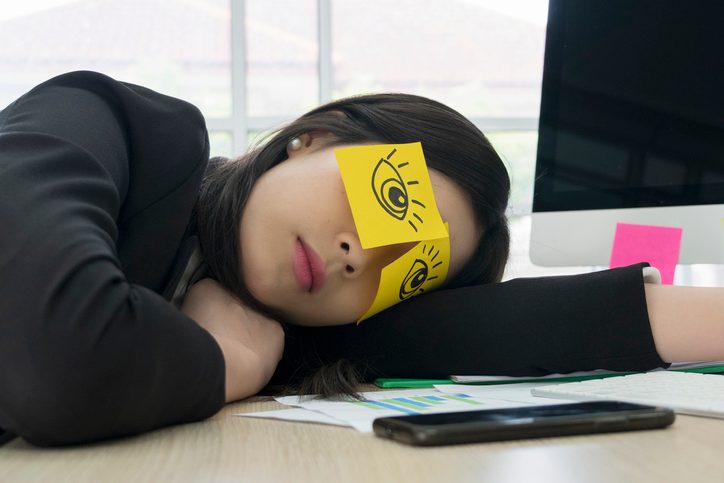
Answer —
(631, 128)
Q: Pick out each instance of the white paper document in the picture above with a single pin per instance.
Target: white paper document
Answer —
(375, 404)
(677, 366)
(517, 394)
(295, 414)
(464, 379)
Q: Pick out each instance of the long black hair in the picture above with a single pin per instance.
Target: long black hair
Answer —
(451, 144)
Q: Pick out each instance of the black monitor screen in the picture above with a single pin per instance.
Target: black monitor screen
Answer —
(632, 111)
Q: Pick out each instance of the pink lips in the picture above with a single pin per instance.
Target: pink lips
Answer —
(308, 267)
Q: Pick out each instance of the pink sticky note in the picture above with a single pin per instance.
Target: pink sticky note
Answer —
(658, 245)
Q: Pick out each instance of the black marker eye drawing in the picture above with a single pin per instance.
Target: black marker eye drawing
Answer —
(391, 190)
(416, 277)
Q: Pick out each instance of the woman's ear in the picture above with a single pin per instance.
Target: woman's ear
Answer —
(298, 145)
(308, 142)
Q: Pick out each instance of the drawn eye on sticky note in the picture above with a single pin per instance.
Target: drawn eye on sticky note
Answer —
(389, 191)
(421, 269)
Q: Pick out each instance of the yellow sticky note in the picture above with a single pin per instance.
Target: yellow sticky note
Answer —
(390, 194)
(420, 270)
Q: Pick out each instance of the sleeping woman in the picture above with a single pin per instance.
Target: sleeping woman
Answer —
(143, 285)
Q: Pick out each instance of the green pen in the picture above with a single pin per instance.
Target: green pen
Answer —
(386, 382)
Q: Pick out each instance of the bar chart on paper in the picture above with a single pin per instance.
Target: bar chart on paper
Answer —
(421, 404)
(362, 412)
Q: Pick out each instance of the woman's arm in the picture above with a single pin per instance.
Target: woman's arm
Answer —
(687, 322)
(522, 327)
(252, 343)
(97, 181)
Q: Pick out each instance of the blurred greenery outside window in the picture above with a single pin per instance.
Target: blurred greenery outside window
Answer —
(251, 66)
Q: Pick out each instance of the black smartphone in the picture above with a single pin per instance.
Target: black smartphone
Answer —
(521, 422)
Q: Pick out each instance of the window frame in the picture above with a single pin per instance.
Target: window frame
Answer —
(239, 124)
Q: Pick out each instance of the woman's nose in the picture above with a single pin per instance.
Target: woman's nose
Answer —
(355, 259)
(358, 260)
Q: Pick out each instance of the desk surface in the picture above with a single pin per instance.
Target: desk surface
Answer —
(230, 448)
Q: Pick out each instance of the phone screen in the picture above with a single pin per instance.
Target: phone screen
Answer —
(526, 413)
(522, 422)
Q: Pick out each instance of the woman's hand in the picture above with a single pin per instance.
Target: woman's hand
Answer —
(252, 343)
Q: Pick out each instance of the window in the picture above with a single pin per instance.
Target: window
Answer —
(253, 65)
(179, 47)
(472, 55)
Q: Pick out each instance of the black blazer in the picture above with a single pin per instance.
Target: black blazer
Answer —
(98, 180)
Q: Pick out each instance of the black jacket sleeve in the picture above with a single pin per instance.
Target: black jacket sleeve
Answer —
(86, 351)
(522, 327)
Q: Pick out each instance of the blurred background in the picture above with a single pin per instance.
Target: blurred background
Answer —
(253, 65)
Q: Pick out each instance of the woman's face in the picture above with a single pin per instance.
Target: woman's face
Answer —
(298, 212)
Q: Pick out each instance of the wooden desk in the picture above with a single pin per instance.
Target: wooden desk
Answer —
(230, 448)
